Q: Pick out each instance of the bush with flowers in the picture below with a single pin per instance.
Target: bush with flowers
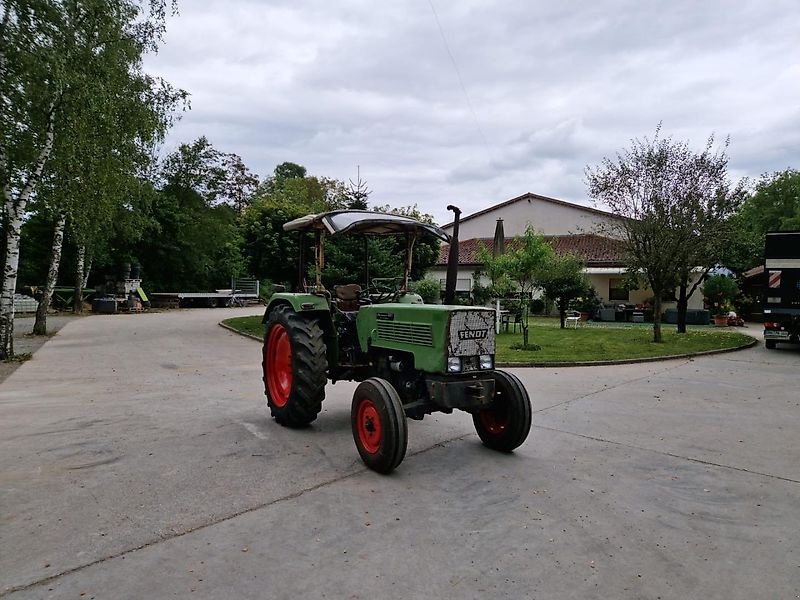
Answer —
(720, 292)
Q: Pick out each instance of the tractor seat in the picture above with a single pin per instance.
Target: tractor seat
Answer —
(347, 296)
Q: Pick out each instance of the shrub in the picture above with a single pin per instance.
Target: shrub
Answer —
(720, 292)
(481, 294)
(537, 306)
(429, 289)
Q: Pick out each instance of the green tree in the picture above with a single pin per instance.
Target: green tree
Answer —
(522, 264)
(271, 252)
(774, 205)
(720, 292)
(674, 205)
(562, 279)
(59, 63)
(195, 239)
(191, 246)
(426, 250)
(358, 193)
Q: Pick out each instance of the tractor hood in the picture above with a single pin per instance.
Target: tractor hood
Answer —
(339, 222)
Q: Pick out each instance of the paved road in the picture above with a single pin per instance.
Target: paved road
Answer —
(136, 461)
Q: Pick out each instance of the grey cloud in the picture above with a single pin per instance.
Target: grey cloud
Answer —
(554, 87)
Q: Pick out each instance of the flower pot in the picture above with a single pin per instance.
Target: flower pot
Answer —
(585, 316)
(720, 320)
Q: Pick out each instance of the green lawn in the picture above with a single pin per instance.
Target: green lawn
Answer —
(251, 325)
(589, 342)
(599, 341)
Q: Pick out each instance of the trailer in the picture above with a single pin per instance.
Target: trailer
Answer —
(781, 304)
(241, 292)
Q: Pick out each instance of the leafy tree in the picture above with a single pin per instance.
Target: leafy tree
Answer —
(52, 56)
(562, 279)
(674, 206)
(217, 176)
(428, 289)
(271, 252)
(426, 250)
(720, 291)
(191, 246)
(522, 264)
(194, 241)
(774, 205)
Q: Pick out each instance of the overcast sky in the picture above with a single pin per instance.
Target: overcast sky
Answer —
(533, 93)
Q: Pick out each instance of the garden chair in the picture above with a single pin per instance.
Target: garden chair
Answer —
(573, 317)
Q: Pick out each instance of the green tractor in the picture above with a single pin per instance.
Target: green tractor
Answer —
(411, 359)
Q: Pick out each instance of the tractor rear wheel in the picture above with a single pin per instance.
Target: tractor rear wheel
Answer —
(506, 422)
(295, 366)
(379, 425)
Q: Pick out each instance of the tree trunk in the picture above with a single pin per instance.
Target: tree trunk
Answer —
(562, 312)
(87, 271)
(524, 323)
(657, 317)
(14, 210)
(683, 304)
(40, 325)
(13, 224)
(77, 301)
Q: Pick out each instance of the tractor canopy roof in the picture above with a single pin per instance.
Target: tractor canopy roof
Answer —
(339, 222)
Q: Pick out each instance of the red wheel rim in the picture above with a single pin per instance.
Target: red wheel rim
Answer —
(278, 365)
(368, 426)
(495, 419)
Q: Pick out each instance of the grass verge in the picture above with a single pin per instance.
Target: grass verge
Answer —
(590, 342)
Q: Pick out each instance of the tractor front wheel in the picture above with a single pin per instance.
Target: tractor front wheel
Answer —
(379, 425)
(295, 367)
(506, 422)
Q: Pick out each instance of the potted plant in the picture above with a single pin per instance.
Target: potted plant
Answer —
(720, 291)
(588, 304)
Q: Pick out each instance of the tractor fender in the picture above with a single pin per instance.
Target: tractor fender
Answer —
(300, 303)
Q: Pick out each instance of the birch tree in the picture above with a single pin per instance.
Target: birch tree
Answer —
(57, 59)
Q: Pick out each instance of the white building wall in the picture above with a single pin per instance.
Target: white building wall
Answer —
(548, 218)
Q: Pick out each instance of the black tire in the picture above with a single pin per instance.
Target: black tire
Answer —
(379, 425)
(295, 367)
(770, 344)
(505, 423)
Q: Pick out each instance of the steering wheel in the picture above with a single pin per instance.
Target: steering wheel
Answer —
(384, 289)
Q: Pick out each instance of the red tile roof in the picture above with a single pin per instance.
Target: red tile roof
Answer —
(595, 250)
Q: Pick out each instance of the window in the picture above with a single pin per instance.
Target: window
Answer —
(462, 285)
(617, 290)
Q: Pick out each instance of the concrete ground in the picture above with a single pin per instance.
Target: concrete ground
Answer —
(26, 343)
(136, 461)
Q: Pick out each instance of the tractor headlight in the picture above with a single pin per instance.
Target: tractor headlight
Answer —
(485, 361)
(454, 364)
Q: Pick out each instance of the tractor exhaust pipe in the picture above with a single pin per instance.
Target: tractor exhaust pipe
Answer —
(452, 260)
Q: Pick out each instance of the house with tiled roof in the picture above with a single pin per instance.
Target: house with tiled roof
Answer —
(569, 227)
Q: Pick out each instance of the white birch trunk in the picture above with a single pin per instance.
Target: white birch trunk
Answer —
(15, 209)
(40, 325)
(77, 301)
(87, 271)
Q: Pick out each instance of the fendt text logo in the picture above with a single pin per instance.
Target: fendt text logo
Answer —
(473, 334)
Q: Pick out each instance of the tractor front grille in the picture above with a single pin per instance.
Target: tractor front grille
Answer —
(471, 332)
(419, 334)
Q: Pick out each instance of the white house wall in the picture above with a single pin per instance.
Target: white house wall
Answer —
(549, 218)
(600, 282)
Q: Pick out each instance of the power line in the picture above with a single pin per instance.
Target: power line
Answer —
(461, 82)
